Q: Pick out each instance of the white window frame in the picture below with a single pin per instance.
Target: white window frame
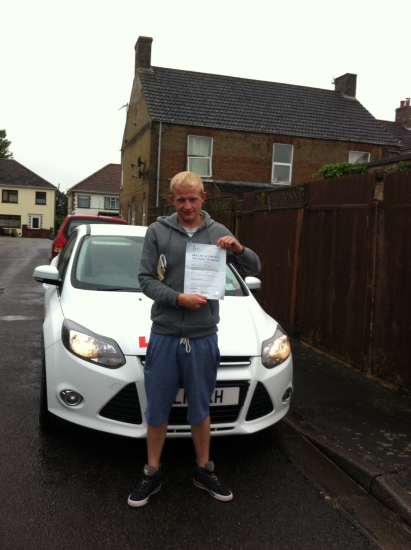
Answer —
(191, 156)
(108, 201)
(358, 154)
(290, 164)
(80, 197)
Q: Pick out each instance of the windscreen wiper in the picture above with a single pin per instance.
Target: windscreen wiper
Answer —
(117, 289)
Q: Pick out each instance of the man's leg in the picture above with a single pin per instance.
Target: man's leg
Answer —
(201, 439)
(204, 475)
(156, 437)
(161, 383)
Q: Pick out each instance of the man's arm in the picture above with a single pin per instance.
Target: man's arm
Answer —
(242, 257)
(231, 244)
(147, 274)
(191, 301)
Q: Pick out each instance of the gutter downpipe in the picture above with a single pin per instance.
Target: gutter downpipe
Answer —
(159, 164)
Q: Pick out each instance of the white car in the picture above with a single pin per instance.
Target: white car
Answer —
(95, 332)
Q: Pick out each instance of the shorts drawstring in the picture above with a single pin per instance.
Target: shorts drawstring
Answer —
(186, 342)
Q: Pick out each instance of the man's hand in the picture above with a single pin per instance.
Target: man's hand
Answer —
(191, 301)
(231, 244)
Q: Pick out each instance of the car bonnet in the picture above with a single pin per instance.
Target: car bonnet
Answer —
(125, 317)
(122, 316)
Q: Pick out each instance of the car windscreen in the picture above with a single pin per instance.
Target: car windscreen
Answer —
(233, 284)
(75, 222)
(108, 263)
(112, 263)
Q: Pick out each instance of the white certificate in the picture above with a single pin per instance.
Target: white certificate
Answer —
(205, 271)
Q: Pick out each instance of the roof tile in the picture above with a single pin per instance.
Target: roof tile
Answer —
(217, 101)
(14, 174)
(105, 180)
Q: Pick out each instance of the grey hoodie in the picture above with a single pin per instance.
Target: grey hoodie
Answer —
(167, 237)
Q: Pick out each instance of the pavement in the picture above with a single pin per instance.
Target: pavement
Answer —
(361, 424)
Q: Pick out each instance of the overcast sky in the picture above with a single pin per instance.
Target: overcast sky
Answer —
(68, 66)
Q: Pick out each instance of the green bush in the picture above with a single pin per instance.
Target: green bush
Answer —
(341, 169)
(402, 165)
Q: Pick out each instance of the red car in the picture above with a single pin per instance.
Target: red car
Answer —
(70, 223)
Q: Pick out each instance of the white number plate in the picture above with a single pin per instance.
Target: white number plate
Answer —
(221, 396)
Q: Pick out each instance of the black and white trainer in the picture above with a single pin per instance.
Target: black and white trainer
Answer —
(205, 478)
(150, 483)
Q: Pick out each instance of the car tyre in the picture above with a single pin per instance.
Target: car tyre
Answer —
(45, 421)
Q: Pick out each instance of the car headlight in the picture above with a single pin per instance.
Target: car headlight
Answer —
(92, 347)
(276, 349)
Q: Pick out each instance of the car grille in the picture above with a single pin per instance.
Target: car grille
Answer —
(225, 360)
(261, 403)
(124, 407)
(218, 415)
(234, 361)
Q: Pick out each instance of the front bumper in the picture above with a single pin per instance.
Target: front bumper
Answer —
(114, 400)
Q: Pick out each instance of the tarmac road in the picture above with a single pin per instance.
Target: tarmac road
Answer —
(69, 489)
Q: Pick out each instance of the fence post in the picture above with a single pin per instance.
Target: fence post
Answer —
(298, 231)
(370, 298)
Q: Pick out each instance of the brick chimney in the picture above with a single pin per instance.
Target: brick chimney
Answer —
(403, 113)
(143, 52)
(346, 84)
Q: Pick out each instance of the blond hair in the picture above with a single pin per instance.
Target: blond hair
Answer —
(187, 179)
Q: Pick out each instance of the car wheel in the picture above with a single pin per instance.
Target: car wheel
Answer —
(45, 421)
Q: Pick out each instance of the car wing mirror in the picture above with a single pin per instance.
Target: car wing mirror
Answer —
(47, 274)
(253, 283)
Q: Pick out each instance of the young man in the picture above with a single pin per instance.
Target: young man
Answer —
(183, 342)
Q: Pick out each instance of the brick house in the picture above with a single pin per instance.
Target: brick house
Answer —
(401, 127)
(238, 130)
(28, 201)
(99, 194)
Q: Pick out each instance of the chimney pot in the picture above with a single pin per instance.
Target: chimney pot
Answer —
(346, 84)
(143, 53)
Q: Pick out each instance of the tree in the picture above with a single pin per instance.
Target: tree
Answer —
(61, 207)
(4, 146)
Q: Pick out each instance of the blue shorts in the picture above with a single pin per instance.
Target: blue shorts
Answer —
(169, 366)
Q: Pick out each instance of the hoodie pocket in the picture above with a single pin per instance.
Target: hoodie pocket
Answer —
(168, 317)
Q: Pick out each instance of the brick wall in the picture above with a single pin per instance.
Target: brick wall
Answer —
(36, 233)
(403, 114)
(237, 156)
(245, 156)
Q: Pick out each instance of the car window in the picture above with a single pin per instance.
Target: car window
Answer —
(108, 262)
(65, 256)
(233, 286)
(75, 222)
(112, 262)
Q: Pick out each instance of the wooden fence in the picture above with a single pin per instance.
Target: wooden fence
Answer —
(336, 264)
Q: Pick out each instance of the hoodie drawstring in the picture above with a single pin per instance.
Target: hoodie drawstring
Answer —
(186, 342)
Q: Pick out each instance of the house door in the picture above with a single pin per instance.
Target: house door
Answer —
(35, 222)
